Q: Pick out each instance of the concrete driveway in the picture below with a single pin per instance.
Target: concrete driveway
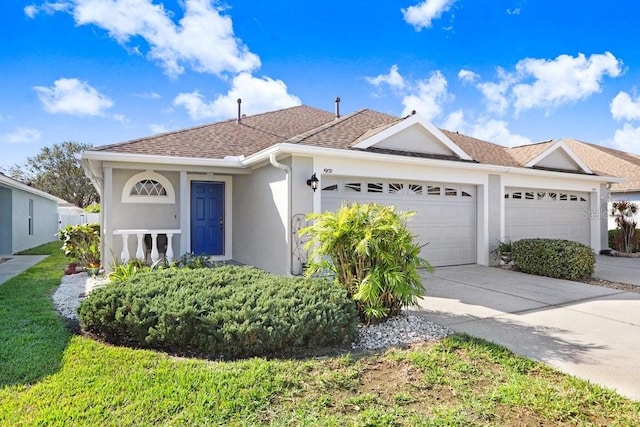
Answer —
(587, 331)
(618, 269)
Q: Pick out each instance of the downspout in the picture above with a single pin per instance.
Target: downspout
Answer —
(287, 226)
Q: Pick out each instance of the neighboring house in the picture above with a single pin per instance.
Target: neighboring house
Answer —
(608, 161)
(70, 214)
(239, 189)
(28, 217)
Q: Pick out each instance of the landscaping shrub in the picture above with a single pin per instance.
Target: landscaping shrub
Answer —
(562, 259)
(190, 260)
(82, 242)
(372, 255)
(225, 312)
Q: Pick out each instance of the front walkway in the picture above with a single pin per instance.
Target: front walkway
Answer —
(588, 331)
(16, 264)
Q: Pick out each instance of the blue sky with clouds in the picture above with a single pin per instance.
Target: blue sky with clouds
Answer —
(510, 71)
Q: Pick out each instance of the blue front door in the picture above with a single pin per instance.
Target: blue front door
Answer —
(207, 218)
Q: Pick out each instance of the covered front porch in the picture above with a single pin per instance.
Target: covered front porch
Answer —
(158, 215)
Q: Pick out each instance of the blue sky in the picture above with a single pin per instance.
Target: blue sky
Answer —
(509, 71)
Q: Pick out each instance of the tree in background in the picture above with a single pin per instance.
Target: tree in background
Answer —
(56, 171)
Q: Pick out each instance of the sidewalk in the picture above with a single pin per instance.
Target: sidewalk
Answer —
(16, 264)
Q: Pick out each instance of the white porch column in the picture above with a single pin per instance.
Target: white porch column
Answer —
(185, 222)
(107, 225)
(169, 254)
(124, 256)
(140, 247)
(155, 255)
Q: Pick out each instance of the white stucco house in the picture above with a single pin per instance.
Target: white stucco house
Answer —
(28, 217)
(240, 189)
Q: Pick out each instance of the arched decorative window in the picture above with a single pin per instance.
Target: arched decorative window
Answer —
(148, 187)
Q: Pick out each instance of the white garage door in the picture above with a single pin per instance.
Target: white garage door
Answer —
(554, 214)
(445, 213)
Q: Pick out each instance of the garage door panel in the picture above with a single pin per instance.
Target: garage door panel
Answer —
(545, 213)
(446, 222)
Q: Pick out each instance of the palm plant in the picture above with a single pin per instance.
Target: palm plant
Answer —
(371, 254)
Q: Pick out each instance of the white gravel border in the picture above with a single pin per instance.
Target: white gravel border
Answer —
(403, 330)
(72, 290)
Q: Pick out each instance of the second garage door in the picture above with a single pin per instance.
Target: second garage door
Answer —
(445, 213)
(531, 213)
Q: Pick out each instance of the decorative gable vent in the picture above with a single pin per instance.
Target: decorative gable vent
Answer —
(148, 187)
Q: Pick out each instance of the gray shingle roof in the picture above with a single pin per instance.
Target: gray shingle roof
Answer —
(228, 138)
(311, 126)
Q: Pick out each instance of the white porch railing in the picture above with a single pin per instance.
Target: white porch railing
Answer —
(140, 250)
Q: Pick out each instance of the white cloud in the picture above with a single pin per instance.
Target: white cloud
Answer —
(203, 39)
(425, 96)
(623, 107)
(543, 83)
(22, 135)
(120, 118)
(72, 96)
(495, 94)
(561, 80)
(455, 121)
(31, 11)
(393, 79)
(258, 95)
(514, 11)
(497, 131)
(485, 128)
(467, 76)
(148, 95)
(627, 138)
(47, 7)
(428, 96)
(422, 14)
(158, 128)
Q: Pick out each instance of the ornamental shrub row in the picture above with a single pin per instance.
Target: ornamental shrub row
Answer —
(226, 312)
(562, 259)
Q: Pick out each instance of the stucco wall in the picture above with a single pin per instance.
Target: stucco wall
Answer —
(143, 215)
(260, 218)
(302, 205)
(45, 220)
(6, 202)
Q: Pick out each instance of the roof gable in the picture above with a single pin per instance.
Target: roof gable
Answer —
(558, 156)
(609, 161)
(413, 134)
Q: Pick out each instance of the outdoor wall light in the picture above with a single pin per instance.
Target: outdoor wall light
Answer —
(313, 182)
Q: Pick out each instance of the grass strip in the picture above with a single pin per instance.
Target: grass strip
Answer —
(32, 337)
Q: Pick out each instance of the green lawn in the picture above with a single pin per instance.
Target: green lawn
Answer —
(50, 377)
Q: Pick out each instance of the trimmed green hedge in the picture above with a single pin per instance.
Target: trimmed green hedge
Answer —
(562, 259)
(227, 312)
